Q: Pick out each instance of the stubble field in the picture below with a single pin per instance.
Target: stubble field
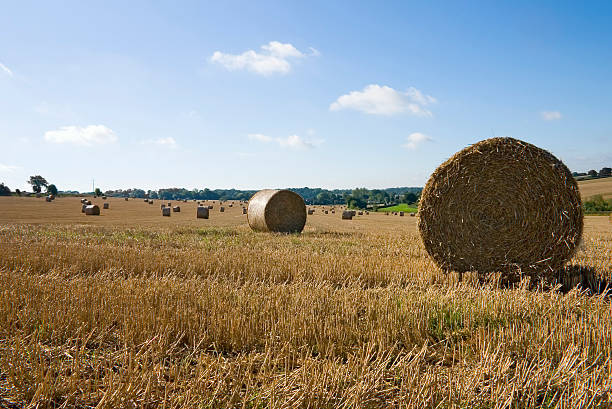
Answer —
(132, 309)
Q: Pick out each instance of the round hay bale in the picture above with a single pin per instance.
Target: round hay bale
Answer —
(176, 209)
(48, 199)
(92, 210)
(103, 197)
(273, 210)
(210, 207)
(126, 199)
(310, 212)
(83, 206)
(501, 205)
(105, 206)
(244, 210)
(360, 213)
(347, 215)
(402, 214)
(202, 212)
(166, 211)
(162, 206)
(88, 203)
(221, 209)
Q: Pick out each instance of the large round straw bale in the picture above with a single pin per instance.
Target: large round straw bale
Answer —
(103, 197)
(347, 215)
(176, 209)
(202, 212)
(105, 206)
(277, 211)
(83, 206)
(166, 211)
(501, 205)
(48, 199)
(92, 210)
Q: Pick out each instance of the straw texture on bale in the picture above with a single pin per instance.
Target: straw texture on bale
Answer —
(92, 210)
(105, 206)
(166, 211)
(347, 215)
(501, 205)
(281, 211)
(202, 212)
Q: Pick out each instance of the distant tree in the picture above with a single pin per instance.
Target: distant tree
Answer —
(597, 204)
(97, 192)
(409, 198)
(18, 192)
(52, 190)
(4, 190)
(592, 173)
(356, 203)
(605, 172)
(37, 183)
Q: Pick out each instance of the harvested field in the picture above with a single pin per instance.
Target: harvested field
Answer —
(131, 309)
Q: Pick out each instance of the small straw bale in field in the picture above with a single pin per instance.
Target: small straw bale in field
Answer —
(176, 209)
(202, 212)
(333, 212)
(210, 207)
(360, 213)
(326, 212)
(367, 213)
(150, 201)
(231, 205)
(244, 210)
(166, 211)
(83, 206)
(353, 213)
(280, 211)
(92, 210)
(310, 212)
(221, 209)
(347, 215)
(103, 197)
(501, 205)
(402, 214)
(38, 194)
(48, 199)
(105, 206)
(162, 206)
(83, 200)
(412, 214)
(88, 203)
(146, 200)
(126, 199)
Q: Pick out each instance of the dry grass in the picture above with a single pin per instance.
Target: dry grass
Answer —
(590, 188)
(131, 309)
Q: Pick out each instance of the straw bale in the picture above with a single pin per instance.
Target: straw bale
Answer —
(105, 206)
(276, 211)
(402, 214)
(347, 215)
(202, 212)
(103, 197)
(501, 205)
(166, 211)
(83, 206)
(48, 199)
(244, 210)
(126, 199)
(92, 210)
(222, 209)
(176, 209)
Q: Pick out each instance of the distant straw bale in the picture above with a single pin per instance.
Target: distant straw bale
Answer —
(126, 199)
(83, 206)
(202, 212)
(222, 209)
(281, 211)
(402, 214)
(176, 209)
(501, 205)
(166, 211)
(244, 210)
(105, 206)
(347, 215)
(92, 210)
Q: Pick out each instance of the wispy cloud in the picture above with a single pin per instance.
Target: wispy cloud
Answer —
(551, 115)
(6, 69)
(292, 141)
(8, 168)
(275, 58)
(84, 136)
(383, 100)
(415, 139)
(168, 142)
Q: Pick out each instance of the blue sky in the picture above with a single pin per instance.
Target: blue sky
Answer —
(285, 94)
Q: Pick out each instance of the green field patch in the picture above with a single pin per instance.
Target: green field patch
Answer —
(402, 207)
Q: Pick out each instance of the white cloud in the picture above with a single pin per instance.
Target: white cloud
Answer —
(169, 142)
(274, 59)
(415, 139)
(8, 168)
(550, 115)
(85, 136)
(292, 141)
(384, 100)
(6, 69)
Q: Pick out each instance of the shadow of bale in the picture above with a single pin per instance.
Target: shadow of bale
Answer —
(585, 277)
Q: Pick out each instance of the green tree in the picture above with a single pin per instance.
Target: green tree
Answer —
(4, 190)
(52, 190)
(409, 198)
(97, 192)
(37, 183)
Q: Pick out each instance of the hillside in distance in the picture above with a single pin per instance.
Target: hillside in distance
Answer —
(590, 188)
